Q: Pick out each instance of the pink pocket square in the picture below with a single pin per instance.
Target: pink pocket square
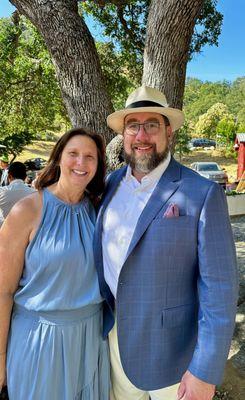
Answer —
(172, 211)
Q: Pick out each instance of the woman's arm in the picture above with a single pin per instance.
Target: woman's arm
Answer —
(15, 235)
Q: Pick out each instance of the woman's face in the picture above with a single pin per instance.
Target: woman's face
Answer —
(79, 161)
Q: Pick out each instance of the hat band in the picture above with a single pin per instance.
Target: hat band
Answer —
(144, 103)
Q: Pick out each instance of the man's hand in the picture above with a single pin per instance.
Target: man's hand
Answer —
(192, 388)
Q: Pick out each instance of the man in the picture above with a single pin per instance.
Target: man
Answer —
(16, 190)
(168, 263)
(4, 164)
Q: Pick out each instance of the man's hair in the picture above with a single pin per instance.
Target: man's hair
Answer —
(166, 120)
(17, 170)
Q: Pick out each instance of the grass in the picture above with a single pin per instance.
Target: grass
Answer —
(37, 149)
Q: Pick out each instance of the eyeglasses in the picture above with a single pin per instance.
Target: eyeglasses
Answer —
(151, 128)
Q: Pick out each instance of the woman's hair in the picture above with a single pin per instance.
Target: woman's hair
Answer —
(51, 173)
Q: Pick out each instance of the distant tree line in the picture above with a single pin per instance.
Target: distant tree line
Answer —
(215, 109)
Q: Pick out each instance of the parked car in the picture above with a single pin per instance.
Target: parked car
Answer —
(35, 163)
(212, 171)
(202, 143)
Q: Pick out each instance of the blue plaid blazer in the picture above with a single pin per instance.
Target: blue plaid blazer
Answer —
(177, 290)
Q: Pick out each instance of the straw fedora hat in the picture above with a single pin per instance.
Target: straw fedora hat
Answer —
(146, 99)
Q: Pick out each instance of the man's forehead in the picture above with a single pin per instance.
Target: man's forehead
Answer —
(146, 116)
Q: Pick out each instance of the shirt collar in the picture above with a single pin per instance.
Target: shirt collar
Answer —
(153, 176)
(16, 181)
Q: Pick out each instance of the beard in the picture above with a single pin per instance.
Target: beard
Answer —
(147, 162)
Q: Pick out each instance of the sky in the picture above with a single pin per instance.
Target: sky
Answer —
(225, 62)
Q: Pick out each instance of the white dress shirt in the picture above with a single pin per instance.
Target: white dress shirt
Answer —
(121, 217)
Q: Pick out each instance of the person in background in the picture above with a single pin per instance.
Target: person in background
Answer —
(4, 164)
(166, 261)
(35, 180)
(29, 180)
(52, 345)
(15, 190)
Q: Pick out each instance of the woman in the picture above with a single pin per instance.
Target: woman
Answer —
(55, 349)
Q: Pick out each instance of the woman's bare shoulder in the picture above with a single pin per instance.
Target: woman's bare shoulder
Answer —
(28, 206)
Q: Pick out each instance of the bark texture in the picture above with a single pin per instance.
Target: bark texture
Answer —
(169, 31)
(75, 58)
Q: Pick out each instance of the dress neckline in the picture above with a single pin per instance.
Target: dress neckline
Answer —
(64, 203)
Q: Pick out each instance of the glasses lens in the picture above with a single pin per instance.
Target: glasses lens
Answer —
(132, 129)
(152, 127)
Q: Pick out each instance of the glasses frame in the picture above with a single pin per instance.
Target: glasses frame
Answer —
(142, 124)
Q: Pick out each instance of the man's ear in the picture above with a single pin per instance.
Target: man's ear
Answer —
(169, 132)
(10, 176)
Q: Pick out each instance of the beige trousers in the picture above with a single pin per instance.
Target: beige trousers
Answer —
(122, 388)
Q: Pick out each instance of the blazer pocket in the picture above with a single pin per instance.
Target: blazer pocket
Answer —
(179, 315)
(182, 219)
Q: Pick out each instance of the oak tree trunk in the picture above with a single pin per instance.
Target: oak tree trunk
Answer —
(169, 30)
(75, 58)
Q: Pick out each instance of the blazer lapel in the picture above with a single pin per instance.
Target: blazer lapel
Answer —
(166, 187)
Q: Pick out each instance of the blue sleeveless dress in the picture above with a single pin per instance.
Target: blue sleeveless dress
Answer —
(55, 348)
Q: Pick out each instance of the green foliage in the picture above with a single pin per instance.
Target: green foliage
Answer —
(229, 151)
(200, 96)
(124, 23)
(241, 128)
(124, 26)
(118, 80)
(208, 122)
(29, 95)
(182, 140)
(207, 28)
(226, 129)
(235, 100)
(14, 143)
(233, 193)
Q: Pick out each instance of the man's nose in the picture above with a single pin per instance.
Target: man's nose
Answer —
(141, 135)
